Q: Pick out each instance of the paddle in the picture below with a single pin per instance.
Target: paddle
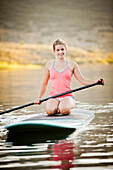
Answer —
(100, 82)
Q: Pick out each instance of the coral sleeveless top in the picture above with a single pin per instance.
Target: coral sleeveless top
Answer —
(60, 82)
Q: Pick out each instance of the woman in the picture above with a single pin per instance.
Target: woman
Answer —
(60, 72)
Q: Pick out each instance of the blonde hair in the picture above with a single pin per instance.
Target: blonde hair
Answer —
(59, 42)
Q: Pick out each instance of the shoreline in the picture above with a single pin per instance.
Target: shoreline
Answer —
(5, 65)
(13, 66)
(32, 56)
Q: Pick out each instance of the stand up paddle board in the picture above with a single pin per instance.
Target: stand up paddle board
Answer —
(43, 127)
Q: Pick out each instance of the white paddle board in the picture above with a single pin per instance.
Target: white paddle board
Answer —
(47, 127)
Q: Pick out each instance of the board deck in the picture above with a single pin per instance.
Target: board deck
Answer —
(44, 127)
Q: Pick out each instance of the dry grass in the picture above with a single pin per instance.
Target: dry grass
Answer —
(21, 55)
(6, 65)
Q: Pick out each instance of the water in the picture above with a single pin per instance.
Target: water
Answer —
(87, 148)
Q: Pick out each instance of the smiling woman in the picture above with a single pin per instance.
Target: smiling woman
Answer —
(60, 72)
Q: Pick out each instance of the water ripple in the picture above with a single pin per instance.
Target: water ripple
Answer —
(87, 148)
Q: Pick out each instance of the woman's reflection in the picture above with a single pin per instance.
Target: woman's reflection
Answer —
(64, 151)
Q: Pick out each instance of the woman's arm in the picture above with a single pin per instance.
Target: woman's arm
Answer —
(78, 75)
(43, 84)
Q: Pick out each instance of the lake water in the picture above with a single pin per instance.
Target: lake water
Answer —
(87, 148)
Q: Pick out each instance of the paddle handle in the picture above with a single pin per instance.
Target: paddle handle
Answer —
(100, 82)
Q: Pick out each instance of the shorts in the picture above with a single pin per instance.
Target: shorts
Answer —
(61, 98)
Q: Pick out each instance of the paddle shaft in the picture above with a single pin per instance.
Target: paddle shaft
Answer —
(71, 91)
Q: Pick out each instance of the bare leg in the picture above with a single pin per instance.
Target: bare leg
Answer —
(51, 106)
(66, 105)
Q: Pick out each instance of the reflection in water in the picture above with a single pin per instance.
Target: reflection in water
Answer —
(64, 151)
(89, 147)
(44, 155)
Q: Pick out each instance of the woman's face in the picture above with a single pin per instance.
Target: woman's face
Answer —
(60, 51)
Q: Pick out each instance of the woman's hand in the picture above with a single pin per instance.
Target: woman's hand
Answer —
(37, 101)
(101, 82)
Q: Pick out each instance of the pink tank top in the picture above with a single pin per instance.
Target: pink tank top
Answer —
(60, 82)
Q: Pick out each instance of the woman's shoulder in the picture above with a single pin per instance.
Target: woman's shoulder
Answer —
(49, 65)
(72, 64)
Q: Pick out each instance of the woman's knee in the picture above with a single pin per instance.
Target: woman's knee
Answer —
(66, 105)
(51, 106)
(50, 111)
(65, 110)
